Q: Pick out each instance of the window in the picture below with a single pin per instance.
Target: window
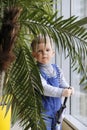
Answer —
(78, 102)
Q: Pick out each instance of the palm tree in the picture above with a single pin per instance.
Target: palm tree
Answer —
(21, 21)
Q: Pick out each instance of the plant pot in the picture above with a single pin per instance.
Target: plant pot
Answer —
(5, 121)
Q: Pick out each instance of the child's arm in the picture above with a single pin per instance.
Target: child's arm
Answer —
(63, 84)
(52, 91)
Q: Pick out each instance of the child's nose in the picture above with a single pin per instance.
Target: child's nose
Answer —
(44, 52)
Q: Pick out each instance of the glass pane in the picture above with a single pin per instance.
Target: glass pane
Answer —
(79, 100)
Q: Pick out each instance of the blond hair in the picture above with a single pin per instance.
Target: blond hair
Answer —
(40, 39)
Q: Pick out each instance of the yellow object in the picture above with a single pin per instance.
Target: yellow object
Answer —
(5, 120)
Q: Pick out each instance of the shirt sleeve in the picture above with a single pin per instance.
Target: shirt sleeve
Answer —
(63, 83)
(49, 90)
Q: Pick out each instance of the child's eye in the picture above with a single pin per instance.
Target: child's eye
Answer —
(47, 49)
(39, 51)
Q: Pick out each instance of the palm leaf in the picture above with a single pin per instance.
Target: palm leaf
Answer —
(68, 31)
(24, 80)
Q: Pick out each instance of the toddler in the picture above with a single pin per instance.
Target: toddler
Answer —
(54, 84)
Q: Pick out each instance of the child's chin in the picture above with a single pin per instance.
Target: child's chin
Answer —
(45, 62)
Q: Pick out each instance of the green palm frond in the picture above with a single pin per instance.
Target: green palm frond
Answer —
(25, 89)
(66, 33)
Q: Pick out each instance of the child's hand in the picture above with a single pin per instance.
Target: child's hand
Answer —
(68, 92)
(72, 90)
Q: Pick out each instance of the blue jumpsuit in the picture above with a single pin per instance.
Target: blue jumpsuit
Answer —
(51, 104)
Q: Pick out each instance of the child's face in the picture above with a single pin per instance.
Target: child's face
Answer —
(44, 53)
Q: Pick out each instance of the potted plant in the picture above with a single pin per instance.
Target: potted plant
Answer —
(21, 85)
(8, 32)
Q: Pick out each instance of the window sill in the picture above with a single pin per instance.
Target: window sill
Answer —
(73, 123)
